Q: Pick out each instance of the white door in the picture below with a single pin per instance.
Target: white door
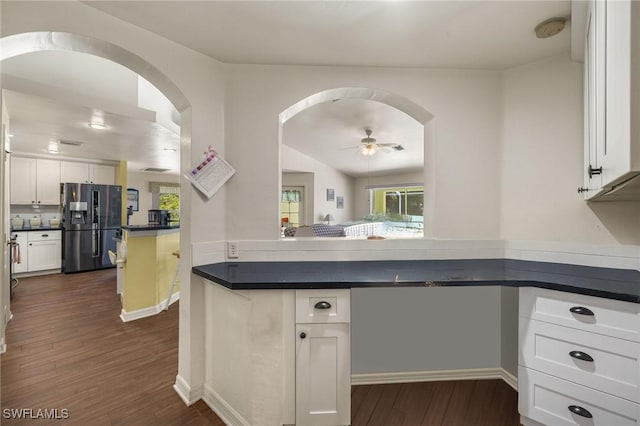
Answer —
(23, 180)
(73, 172)
(323, 374)
(48, 182)
(5, 279)
(102, 174)
(44, 255)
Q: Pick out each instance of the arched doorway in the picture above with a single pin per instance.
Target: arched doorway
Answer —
(401, 106)
(19, 44)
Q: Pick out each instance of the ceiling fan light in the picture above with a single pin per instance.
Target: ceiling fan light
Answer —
(368, 149)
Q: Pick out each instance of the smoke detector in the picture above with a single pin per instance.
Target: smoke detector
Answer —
(550, 27)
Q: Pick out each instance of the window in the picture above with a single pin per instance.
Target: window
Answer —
(166, 196)
(402, 206)
(291, 210)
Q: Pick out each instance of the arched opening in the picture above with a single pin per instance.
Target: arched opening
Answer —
(20, 44)
(384, 193)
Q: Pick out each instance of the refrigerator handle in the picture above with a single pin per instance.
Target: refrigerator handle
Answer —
(95, 225)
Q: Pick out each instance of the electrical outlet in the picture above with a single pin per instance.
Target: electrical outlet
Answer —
(232, 250)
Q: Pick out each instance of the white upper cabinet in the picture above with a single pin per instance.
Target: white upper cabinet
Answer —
(612, 99)
(75, 172)
(35, 181)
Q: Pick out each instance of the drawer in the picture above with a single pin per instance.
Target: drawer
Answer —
(610, 317)
(546, 399)
(321, 306)
(44, 235)
(613, 368)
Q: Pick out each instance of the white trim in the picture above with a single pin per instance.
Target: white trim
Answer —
(342, 249)
(150, 311)
(225, 411)
(3, 346)
(187, 394)
(435, 376)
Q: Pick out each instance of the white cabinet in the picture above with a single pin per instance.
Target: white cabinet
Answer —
(612, 67)
(44, 250)
(579, 359)
(35, 181)
(323, 357)
(77, 172)
(21, 239)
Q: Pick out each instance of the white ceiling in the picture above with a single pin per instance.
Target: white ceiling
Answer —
(443, 34)
(331, 133)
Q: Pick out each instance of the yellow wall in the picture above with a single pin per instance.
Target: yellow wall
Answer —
(121, 179)
(149, 269)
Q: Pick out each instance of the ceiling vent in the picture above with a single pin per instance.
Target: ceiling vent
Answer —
(69, 142)
(155, 169)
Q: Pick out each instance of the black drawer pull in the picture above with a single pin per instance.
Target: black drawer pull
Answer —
(322, 305)
(581, 356)
(44, 235)
(576, 409)
(581, 310)
(303, 335)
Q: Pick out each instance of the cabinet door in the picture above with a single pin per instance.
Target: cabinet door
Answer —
(24, 253)
(102, 174)
(323, 374)
(48, 182)
(74, 172)
(594, 94)
(616, 151)
(44, 255)
(23, 180)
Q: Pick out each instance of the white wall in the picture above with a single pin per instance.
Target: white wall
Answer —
(324, 177)
(466, 106)
(542, 162)
(140, 181)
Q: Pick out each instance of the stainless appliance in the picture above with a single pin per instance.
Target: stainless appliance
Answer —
(158, 217)
(91, 217)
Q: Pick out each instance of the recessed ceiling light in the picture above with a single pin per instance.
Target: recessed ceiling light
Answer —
(170, 149)
(53, 148)
(95, 125)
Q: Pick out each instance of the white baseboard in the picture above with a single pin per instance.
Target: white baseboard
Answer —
(226, 413)
(434, 376)
(150, 311)
(187, 394)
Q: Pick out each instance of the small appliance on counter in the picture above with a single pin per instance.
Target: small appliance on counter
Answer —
(159, 217)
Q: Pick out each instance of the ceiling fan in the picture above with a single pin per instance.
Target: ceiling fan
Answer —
(370, 146)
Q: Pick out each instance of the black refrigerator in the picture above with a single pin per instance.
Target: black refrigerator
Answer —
(91, 217)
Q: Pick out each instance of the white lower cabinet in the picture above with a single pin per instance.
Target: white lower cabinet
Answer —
(578, 360)
(44, 250)
(323, 358)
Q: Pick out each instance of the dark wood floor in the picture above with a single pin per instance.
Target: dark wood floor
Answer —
(68, 349)
(467, 402)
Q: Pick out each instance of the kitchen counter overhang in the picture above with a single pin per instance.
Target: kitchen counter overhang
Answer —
(617, 284)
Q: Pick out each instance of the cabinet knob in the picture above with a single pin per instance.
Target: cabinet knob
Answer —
(581, 356)
(576, 409)
(322, 305)
(303, 335)
(593, 171)
(581, 310)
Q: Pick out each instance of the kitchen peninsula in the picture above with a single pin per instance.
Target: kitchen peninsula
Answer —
(150, 253)
(295, 319)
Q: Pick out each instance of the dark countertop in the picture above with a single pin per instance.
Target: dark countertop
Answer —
(150, 227)
(618, 284)
(40, 228)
